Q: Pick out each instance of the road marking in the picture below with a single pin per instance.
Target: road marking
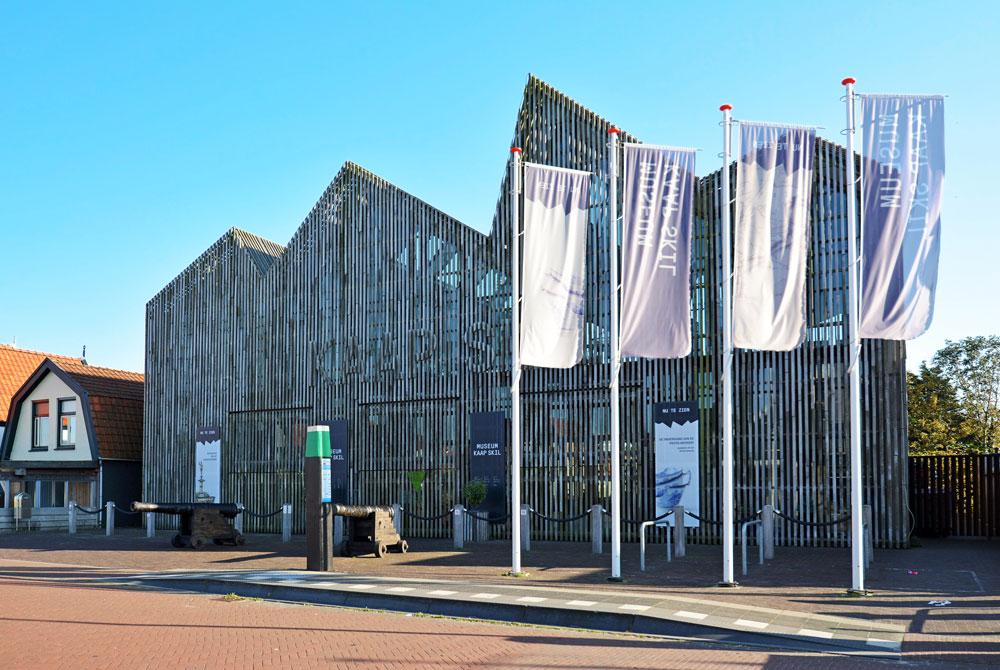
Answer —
(887, 644)
(359, 587)
(531, 599)
(441, 592)
(748, 623)
(808, 632)
(581, 603)
(690, 615)
(485, 595)
(402, 589)
(635, 608)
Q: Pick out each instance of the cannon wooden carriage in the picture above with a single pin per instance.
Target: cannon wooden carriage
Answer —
(201, 523)
(370, 530)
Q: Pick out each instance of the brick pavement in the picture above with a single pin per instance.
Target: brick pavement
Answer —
(965, 573)
(51, 624)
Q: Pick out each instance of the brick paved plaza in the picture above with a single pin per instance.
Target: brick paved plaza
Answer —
(965, 632)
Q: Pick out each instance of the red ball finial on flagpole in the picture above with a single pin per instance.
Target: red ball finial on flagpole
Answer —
(515, 150)
(613, 131)
(725, 108)
(848, 80)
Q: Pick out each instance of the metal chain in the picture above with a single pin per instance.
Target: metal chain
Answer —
(263, 516)
(99, 510)
(487, 519)
(425, 518)
(813, 524)
(567, 519)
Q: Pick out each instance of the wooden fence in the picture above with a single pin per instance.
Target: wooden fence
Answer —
(957, 496)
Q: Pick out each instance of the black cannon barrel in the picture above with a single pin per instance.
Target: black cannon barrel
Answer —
(360, 511)
(229, 510)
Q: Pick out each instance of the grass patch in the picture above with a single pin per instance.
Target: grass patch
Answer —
(235, 598)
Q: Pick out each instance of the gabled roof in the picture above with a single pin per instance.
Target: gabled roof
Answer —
(112, 402)
(16, 366)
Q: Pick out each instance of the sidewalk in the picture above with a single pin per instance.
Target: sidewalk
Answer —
(965, 575)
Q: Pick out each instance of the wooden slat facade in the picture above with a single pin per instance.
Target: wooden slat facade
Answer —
(392, 315)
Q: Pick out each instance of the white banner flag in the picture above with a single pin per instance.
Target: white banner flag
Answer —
(552, 281)
(656, 251)
(903, 175)
(771, 236)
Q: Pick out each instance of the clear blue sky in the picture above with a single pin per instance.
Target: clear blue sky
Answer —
(133, 136)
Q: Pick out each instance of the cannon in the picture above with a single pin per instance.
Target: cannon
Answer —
(369, 530)
(201, 523)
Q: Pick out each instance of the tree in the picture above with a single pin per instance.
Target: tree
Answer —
(972, 367)
(936, 421)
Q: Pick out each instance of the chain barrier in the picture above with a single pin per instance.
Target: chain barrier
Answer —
(567, 519)
(439, 517)
(122, 510)
(263, 516)
(813, 524)
(85, 510)
(502, 519)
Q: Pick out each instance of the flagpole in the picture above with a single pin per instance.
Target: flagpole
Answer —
(728, 521)
(853, 371)
(515, 368)
(616, 472)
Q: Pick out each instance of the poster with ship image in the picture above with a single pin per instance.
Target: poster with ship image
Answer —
(208, 465)
(675, 431)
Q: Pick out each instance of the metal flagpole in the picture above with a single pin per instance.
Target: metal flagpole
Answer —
(853, 371)
(515, 368)
(728, 527)
(616, 470)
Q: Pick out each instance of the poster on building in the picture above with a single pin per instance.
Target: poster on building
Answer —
(675, 431)
(339, 462)
(208, 465)
(488, 459)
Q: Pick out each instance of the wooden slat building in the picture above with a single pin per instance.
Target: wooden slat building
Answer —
(394, 316)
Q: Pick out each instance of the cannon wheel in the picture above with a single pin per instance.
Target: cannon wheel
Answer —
(177, 542)
(402, 546)
(197, 542)
(380, 549)
(240, 540)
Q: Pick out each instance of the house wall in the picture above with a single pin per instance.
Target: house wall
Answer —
(50, 388)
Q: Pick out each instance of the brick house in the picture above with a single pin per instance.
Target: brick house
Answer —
(73, 433)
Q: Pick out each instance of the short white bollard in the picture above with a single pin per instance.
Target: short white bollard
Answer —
(338, 534)
(866, 516)
(679, 533)
(597, 529)
(767, 528)
(72, 518)
(458, 526)
(238, 520)
(150, 524)
(286, 522)
(397, 518)
(109, 519)
(526, 527)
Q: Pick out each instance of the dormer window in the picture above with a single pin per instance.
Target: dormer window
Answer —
(40, 424)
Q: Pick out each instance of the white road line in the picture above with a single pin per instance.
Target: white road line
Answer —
(886, 644)
(531, 599)
(634, 608)
(441, 592)
(690, 615)
(748, 623)
(581, 603)
(808, 632)
(485, 595)
(402, 589)
(359, 587)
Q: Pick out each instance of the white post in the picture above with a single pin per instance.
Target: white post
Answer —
(397, 518)
(680, 534)
(525, 528)
(597, 529)
(238, 521)
(150, 524)
(72, 518)
(458, 526)
(853, 371)
(515, 367)
(616, 472)
(109, 518)
(728, 530)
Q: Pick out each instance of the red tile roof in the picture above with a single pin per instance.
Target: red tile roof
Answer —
(16, 365)
(115, 406)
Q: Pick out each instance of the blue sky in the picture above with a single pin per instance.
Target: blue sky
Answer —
(134, 135)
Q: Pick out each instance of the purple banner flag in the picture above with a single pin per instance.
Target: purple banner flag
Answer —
(903, 175)
(771, 236)
(656, 251)
(555, 239)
